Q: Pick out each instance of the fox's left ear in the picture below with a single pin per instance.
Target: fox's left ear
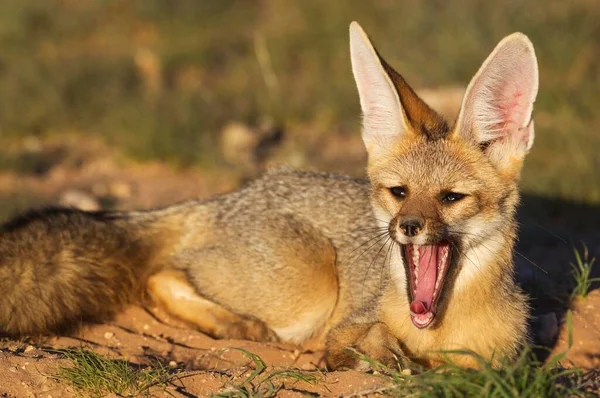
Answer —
(497, 107)
(391, 109)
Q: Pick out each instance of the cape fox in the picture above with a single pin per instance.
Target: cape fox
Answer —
(416, 260)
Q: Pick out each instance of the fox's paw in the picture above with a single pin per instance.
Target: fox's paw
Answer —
(374, 347)
(247, 329)
(388, 356)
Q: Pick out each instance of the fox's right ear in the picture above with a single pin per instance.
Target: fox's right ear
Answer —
(383, 117)
(496, 112)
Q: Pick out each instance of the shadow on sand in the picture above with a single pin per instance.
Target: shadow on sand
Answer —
(550, 231)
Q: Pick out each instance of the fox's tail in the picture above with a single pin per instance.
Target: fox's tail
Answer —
(62, 267)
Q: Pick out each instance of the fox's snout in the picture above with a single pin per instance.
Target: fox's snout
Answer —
(411, 226)
(413, 229)
(416, 221)
(417, 227)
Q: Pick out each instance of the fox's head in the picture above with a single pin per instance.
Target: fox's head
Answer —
(443, 191)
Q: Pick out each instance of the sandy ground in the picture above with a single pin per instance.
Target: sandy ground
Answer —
(142, 335)
(203, 365)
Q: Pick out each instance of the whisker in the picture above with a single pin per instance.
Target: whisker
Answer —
(366, 230)
(462, 253)
(381, 238)
(531, 262)
(498, 241)
(385, 260)
(375, 236)
(375, 257)
(369, 229)
(551, 233)
(368, 241)
(377, 254)
(371, 264)
(380, 220)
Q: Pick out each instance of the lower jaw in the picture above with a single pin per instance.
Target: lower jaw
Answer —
(422, 321)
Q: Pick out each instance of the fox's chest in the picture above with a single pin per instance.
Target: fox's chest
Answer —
(482, 333)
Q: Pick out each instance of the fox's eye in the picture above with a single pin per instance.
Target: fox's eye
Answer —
(399, 192)
(450, 197)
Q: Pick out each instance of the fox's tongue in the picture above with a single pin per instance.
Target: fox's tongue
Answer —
(426, 275)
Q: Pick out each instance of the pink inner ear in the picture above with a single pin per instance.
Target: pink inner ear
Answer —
(499, 101)
(512, 110)
(510, 107)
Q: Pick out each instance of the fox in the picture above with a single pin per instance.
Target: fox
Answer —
(406, 265)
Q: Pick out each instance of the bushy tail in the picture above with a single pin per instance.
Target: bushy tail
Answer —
(62, 267)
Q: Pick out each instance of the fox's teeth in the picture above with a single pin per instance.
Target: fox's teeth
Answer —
(442, 268)
(416, 256)
(416, 263)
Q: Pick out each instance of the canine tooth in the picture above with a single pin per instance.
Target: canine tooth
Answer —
(416, 256)
(415, 253)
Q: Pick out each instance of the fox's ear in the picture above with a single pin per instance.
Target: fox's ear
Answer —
(390, 108)
(497, 107)
(383, 119)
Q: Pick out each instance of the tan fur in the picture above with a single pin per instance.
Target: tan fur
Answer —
(299, 256)
(173, 290)
(486, 316)
(475, 304)
(374, 341)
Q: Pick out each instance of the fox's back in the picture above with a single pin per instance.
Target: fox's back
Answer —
(335, 204)
(288, 209)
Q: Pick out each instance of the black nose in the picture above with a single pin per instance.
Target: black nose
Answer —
(411, 226)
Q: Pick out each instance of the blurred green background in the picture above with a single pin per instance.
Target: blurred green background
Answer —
(159, 79)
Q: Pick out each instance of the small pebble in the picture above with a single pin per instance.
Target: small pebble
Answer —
(296, 354)
(109, 335)
(308, 366)
(406, 372)
(12, 369)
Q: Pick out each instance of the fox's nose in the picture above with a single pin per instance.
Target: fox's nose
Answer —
(411, 226)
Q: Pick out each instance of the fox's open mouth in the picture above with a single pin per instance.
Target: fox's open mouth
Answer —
(427, 268)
